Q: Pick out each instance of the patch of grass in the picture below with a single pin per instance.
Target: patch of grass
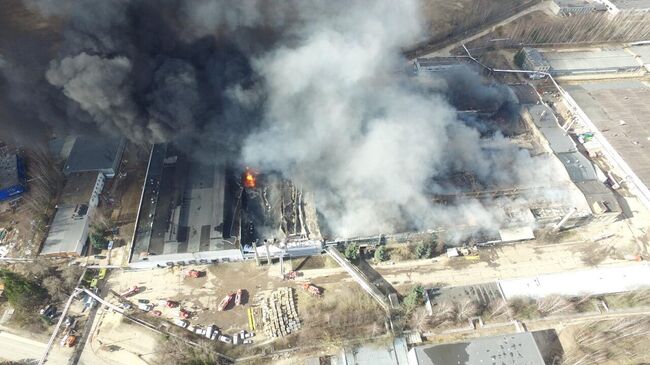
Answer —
(341, 314)
(637, 298)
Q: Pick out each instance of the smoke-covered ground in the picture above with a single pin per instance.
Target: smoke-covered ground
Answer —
(314, 90)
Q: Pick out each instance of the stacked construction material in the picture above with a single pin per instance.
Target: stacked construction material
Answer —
(279, 313)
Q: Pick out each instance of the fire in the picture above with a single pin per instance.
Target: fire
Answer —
(250, 180)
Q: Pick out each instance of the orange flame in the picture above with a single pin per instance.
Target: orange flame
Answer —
(250, 181)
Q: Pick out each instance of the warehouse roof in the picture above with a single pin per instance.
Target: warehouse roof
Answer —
(66, 234)
(95, 154)
(631, 4)
(512, 349)
(599, 197)
(576, 283)
(79, 188)
(643, 51)
(590, 60)
(578, 3)
(578, 166)
(542, 116)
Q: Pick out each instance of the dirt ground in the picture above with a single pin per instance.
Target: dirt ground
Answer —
(201, 296)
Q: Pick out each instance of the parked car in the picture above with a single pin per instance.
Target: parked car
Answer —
(181, 323)
(215, 334)
(71, 341)
(46, 309)
(225, 339)
(145, 307)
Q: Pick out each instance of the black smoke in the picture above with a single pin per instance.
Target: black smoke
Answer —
(306, 88)
(149, 70)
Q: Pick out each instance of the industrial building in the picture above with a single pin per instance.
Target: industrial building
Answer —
(576, 7)
(617, 112)
(12, 174)
(585, 64)
(626, 6)
(73, 217)
(534, 61)
(530, 348)
(95, 154)
(193, 211)
(438, 64)
(586, 176)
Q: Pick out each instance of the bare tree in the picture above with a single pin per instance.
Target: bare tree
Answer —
(54, 287)
(622, 341)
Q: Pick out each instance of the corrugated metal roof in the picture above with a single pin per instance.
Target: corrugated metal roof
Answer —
(576, 283)
(590, 60)
(631, 4)
(512, 349)
(580, 169)
(67, 235)
(643, 52)
(95, 154)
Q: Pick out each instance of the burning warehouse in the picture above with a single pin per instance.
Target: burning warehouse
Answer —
(197, 211)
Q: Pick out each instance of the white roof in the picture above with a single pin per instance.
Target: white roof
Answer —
(514, 234)
(67, 235)
(576, 283)
(590, 60)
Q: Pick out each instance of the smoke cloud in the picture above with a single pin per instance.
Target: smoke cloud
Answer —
(314, 90)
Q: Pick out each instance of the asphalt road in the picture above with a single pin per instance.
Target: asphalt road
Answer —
(15, 348)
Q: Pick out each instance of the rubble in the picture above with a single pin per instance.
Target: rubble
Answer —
(279, 314)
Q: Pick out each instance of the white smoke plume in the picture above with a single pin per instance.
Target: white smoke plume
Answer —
(313, 89)
(372, 143)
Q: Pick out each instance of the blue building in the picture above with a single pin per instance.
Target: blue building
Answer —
(12, 176)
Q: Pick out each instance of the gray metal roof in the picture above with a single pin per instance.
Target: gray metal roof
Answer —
(559, 141)
(67, 233)
(395, 353)
(631, 4)
(576, 3)
(599, 197)
(95, 154)
(481, 293)
(621, 111)
(578, 166)
(438, 61)
(573, 61)
(643, 51)
(543, 116)
(526, 93)
(535, 56)
(79, 188)
(512, 349)
(547, 123)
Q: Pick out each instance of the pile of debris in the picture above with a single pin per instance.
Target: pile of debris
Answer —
(279, 313)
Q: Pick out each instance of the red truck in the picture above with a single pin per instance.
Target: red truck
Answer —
(225, 301)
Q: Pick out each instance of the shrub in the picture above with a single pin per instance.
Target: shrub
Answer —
(352, 252)
(424, 250)
(97, 239)
(519, 59)
(380, 254)
(21, 293)
(414, 298)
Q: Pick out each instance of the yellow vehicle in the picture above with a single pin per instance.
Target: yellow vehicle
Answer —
(93, 283)
(102, 274)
